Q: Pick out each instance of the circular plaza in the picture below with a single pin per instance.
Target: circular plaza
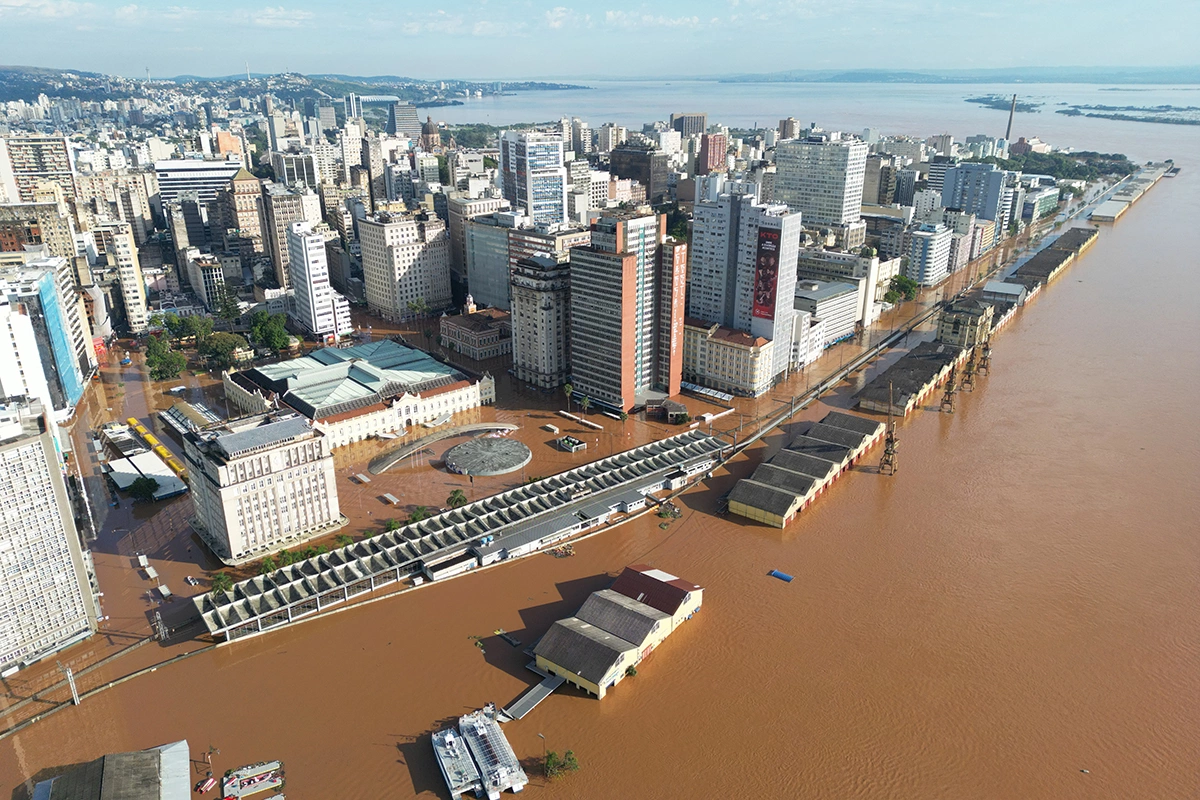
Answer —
(488, 455)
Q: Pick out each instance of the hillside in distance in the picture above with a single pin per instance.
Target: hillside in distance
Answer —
(1107, 75)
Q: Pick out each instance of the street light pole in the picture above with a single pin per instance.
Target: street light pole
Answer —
(543, 738)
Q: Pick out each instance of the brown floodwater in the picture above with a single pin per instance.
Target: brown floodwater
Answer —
(1019, 604)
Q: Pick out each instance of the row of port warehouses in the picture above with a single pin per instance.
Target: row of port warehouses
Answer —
(504, 526)
(902, 386)
(783, 486)
(1046, 265)
(1130, 192)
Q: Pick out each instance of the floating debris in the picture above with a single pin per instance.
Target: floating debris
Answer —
(783, 576)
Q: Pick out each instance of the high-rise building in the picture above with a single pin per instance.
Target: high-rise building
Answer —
(936, 177)
(259, 483)
(47, 597)
(541, 320)
(241, 215)
(352, 104)
(122, 255)
(929, 254)
(37, 354)
(292, 168)
(459, 210)
(975, 189)
(206, 178)
(316, 307)
(535, 180)
(743, 270)
(486, 258)
(26, 161)
(405, 260)
(789, 128)
(403, 121)
(879, 181)
(690, 124)
(906, 186)
(626, 287)
(206, 276)
(822, 178)
(713, 147)
(645, 165)
(281, 207)
(372, 161)
(46, 221)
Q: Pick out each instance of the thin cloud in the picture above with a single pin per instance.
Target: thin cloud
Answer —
(558, 17)
(625, 19)
(280, 17)
(46, 9)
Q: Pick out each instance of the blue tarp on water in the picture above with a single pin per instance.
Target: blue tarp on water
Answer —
(783, 576)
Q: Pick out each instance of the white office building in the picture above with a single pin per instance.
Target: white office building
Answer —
(822, 179)
(261, 483)
(47, 597)
(834, 303)
(929, 254)
(534, 178)
(316, 307)
(405, 260)
(206, 178)
(742, 271)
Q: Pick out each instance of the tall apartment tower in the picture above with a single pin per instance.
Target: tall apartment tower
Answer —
(743, 268)
(627, 290)
(259, 483)
(122, 255)
(713, 147)
(403, 121)
(47, 599)
(690, 124)
(38, 358)
(879, 181)
(372, 162)
(541, 320)
(26, 161)
(535, 180)
(461, 209)
(822, 179)
(929, 254)
(974, 189)
(281, 207)
(241, 215)
(789, 128)
(316, 307)
(405, 260)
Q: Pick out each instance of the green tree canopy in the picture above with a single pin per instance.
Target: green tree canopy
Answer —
(269, 330)
(226, 305)
(197, 326)
(457, 499)
(143, 489)
(905, 286)
(164, 364)
(222, 583)
(219, 348)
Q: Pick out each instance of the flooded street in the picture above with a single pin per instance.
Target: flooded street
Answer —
(1020, 603)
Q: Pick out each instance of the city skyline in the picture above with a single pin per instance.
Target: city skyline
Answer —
(313, 38)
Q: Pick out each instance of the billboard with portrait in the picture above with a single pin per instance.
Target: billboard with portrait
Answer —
(766, 273)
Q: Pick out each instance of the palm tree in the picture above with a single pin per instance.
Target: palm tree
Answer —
(569, 390)
(342, 540)
(456, 499)
(286, 558)
(267, 566)
(624, 416)
(222, 583)
(393, 525)
(585, 403)
(419, 513)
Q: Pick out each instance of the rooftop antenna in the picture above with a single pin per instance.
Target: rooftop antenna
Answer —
(1011, 112)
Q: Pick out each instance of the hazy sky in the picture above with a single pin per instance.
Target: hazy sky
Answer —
(519, 38)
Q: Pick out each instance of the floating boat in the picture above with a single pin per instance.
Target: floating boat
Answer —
(252, 779)
(508, 637)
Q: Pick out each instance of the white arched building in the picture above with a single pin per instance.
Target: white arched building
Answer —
(353, 393)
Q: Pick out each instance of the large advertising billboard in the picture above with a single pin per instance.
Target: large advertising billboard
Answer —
(766, 273)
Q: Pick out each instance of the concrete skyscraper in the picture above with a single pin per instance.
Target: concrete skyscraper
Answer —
(535, 180)
(743, 269)
(316, 307)
(47, 599)
(822, 178)
(405, 260)
(26, 161)
(627, 297)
